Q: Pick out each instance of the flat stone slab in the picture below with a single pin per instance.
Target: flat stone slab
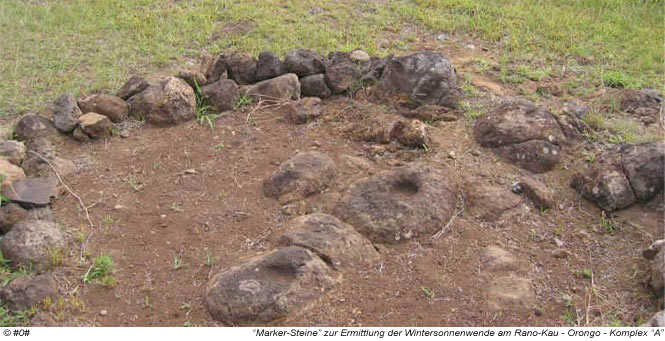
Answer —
(34, 192)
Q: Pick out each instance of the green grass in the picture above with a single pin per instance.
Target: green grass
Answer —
(80, 46)
(101, 271)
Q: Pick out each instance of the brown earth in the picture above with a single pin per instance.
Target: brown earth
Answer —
(188, 192)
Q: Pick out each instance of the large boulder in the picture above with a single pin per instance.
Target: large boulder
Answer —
(269, 66)
(397, 205)
(304, 62)
(282, 88)
(222, 95)
(11, 214)
(110, 106)
(525, 134)
(66, 113)
(314, 86)
(133, 86)
(336, 242)
(644, 166)
(168, 102)
(33, 126)
(426, 77)
(13, 151)
(241, 67)
(26, 291)
(617, 179)
(303, 175)
(30, 242)
(268, 287)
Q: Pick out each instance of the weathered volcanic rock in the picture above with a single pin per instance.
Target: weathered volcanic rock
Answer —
(13, 150)
(169, 102)
(304, 62)
(95, 125)
(303, 175)
(427, 77)
(110, 106)
(523, 133)
(397, 205)
(498, 259)
(29, 243)
(412, 133)
(336, 242)
(511, 293)
(269, 66)
(34, 192)
(194, 78)
(538, 192)
(26, 291)
(488, 202)
(359, 56)
(617, 179)
(314, 86)
(133, 86)
(11, 214)
(285, 87)
(10, 172)
(268, 287)
(241, 67)
(222, 95)
(303, 110)
(342, 76)
(643, 104)
(66, 113)
(32, 126)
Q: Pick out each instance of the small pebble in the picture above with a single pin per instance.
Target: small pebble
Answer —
(103, 312)
(452, 155)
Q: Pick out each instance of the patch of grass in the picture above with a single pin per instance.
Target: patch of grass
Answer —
(56, 257)
(594, 120)
(133, 182)
(589, 157)
(79, 46)
(176, 207)
(586, 273)
(470, 113)
(101, 271)
(178, 262)
(219, 146)
(607, 223)
(625, 131)
(244, 100)
(209, 260)
(616, 79)
(427, 292)
(16, 318)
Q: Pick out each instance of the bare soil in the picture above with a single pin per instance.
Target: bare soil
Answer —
(190, 192)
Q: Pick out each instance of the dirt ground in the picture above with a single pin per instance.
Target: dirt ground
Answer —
(164, 200)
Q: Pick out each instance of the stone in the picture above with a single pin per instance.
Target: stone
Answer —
(511, 293)
(605, 184)
(29, 243)
(498, 259)
(643, 104)
(372, 71)
(133, 86)
(222, 95)
(11, 214)
(95, 125)
(302, 111)
(488, 202)
(411, 133)
(26, 291)
(241, 67)
(29, 193)
(268, 287)
(169, 102)
(359, 56)
(341, 77)
(34, 166)
(216, 69)
(110, 106)
(644, 166)
(304, 62)
(314, 86)
(13, 151)
(656, 253)
(334, 241)
(541, 196)
(400, 204)
(657, 320)
(66, 113)
(426, 77)
(303, 175)
(282, 88)
(79, 135)
(33, 126)
(523, 133)
(269, 66)
(194, 78)
(431, 113)
(10, 172)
